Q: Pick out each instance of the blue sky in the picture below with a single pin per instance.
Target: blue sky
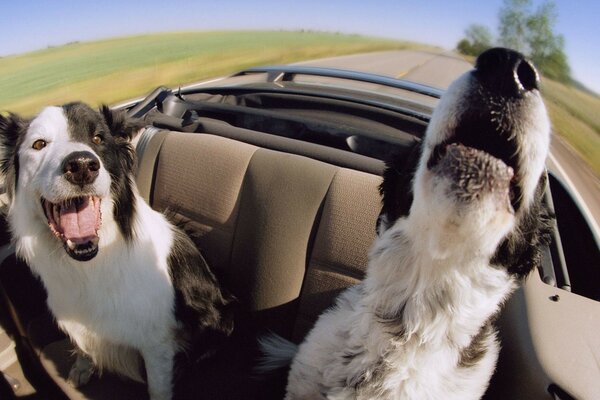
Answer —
(27, 25)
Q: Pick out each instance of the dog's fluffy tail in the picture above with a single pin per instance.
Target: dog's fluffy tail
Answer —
(277, 353)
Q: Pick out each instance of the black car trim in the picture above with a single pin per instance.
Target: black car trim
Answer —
(340, 158)
(421, 116)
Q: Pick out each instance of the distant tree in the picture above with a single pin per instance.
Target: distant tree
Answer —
(513, 24)
(555, 65)
(546, 49)
(478, 39)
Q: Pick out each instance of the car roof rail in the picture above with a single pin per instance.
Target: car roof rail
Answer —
(279, 73)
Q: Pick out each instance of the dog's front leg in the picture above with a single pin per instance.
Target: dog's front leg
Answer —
(159, 370)
(81, 371)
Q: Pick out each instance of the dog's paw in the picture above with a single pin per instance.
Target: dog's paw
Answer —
(81, 372)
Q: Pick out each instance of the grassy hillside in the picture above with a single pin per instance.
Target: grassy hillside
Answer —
(117, 69)
(575, 115)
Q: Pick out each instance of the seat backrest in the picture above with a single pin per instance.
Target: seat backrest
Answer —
(285, 233)
(345, 232)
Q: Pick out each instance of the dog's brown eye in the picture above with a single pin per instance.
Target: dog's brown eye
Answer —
(39, 144)
(97, 139)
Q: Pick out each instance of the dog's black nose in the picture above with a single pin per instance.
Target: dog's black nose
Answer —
(506, 71)
(81, 168)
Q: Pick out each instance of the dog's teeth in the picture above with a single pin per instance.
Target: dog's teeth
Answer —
(71, 244)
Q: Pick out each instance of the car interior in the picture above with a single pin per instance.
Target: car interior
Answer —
(279, 190)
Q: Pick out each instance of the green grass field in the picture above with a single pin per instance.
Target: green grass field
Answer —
(118, 69)
(575, 115)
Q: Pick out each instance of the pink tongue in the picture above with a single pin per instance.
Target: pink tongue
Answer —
(78, 222)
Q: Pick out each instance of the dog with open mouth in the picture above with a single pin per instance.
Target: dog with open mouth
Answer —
(448, 252)
(129, 288)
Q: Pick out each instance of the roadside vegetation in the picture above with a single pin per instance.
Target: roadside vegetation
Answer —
(575, 115)
(114, 70)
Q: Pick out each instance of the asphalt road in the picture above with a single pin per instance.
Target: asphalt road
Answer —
(430, 68)
(439, 70)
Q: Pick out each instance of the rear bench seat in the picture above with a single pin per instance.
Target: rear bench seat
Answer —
(266, 219)
(285, 233)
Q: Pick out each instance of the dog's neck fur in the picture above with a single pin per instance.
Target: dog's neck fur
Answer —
(435, 301)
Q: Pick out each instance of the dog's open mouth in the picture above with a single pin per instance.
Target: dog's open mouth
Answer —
(76, 222)
(473, 172)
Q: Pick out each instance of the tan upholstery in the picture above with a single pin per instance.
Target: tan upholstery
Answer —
(256, 214)
(281, 198)
(151, 144)
(199, 178)
(346, 231)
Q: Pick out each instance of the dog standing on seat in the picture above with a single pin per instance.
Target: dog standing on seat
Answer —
(447, 255)
(129, 288)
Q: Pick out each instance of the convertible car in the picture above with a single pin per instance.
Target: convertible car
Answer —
(275, 173)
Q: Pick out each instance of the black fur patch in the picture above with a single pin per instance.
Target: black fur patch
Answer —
(12, 132)
(521, 251)
(115, 151)
(394, 323)
(369, 383)
(205, 312)
(396, 187)
(476, 350)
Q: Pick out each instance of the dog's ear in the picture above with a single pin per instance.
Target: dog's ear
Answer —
(121, 126)
(11, 127)
(396, 187)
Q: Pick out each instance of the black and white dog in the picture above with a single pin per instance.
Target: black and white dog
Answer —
(447, 254)
(128, 287)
